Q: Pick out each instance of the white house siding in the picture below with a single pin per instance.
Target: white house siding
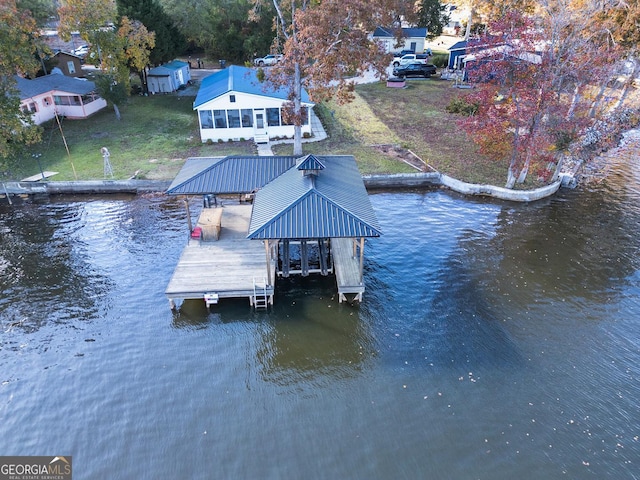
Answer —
(43, 107)
(242, 102)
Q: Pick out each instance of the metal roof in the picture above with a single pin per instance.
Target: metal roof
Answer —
(334, 203)
(241, 80)
(167, 68)
(310, 162)
(218, 175)
(47, 83)
(420, 32)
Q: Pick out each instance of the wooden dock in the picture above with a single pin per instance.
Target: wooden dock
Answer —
(224, 268)
(347, 268)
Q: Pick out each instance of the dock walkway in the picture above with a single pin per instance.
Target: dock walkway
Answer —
(347, 268)
(225, 268)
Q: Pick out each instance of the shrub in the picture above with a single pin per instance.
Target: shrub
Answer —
(306, 135)
(209, 141)
(461, 106)
(440, 60)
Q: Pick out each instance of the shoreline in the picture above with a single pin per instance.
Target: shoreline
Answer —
(372, 182)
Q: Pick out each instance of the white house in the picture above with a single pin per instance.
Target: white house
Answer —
(169, 77)
(413, 38)
(70, 97)
(233, 104)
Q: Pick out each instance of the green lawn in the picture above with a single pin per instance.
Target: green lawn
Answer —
(154, 137)
(157, 133)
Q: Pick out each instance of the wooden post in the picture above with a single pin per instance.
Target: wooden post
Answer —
(361, 258)
(266, 251)
(186, 207)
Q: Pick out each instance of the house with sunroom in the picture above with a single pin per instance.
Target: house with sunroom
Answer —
(44, 97)
(233, 104)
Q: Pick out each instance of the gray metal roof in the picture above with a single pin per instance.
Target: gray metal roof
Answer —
(334, 203)
(310, 162)
(220, 175)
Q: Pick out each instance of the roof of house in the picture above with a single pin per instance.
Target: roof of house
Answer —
(220, 175)
(241, 80)
(419, 32)
(461, 45)
(47, 83)
(167, 68)
(334, 203)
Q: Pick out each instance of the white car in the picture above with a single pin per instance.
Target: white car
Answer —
(267, 60)
(81, 51)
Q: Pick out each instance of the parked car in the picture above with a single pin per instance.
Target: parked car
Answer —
(402, 53)
(267, 60)
(81, 51)
(411, 58)
(415, 70)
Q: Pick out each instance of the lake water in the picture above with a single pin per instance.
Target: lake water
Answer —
(495, 341)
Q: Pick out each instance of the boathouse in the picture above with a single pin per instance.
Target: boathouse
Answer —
(269, 217)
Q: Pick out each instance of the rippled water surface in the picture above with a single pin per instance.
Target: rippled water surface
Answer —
(495, 341)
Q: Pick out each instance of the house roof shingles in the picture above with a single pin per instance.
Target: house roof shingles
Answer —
(241, 80)
(52, 82)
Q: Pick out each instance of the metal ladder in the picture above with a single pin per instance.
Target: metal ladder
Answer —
(260, 299)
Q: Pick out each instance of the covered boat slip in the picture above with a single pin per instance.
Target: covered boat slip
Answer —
(309, 215)
(225, 268)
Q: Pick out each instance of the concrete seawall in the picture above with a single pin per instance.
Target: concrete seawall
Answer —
(435, 179)
(403, 180)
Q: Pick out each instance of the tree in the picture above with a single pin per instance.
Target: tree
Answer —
(431, 15)
(169, 42)
(224, 29)
(41, 10)
(530, 105)
(324, 43)
(18, 47)
(138, 42)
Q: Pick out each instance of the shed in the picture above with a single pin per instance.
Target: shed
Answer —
(169, 77)
(414, 38)
(233, 104)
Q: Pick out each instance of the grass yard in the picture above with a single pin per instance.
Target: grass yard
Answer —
(416, 115)
(153, 138)
(157, 133)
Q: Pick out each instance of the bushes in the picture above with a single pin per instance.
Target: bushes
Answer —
(440, 60)
(461, 106)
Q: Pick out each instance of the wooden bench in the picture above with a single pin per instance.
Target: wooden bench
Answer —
(210, 221)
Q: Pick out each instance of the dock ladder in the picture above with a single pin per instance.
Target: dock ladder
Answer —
(260, 298)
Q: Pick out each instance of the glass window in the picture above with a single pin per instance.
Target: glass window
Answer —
(232, 98)
(220, 118)
(71, 67)
(273, 117)
(247, 117)
(305, 116)
(234, 118)
(206, 119)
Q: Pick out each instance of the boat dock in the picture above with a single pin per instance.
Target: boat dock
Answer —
(347, 268)
(230, 267)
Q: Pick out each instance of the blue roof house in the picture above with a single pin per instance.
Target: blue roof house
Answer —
(233, 104)
(411, 39)
(169, 77)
